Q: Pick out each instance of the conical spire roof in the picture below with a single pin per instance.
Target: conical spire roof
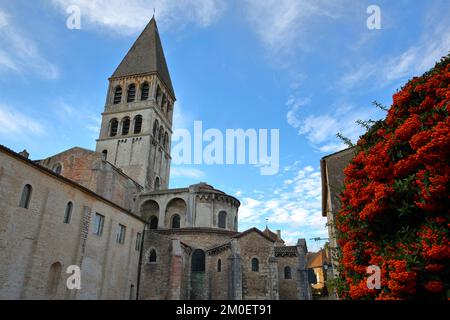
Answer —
(146, 56)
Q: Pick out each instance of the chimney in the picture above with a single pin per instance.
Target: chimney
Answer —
(24, 153)
(279, 234)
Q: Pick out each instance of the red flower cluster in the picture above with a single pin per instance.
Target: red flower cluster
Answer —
(396, 203)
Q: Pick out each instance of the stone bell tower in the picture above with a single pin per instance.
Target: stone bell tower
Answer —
(136, 126)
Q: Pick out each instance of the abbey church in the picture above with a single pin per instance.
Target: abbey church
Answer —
(111, 213)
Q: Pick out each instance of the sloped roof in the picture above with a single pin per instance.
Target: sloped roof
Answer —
(254, 230)
(146, 56)
(290, 251)
(316, 259)
(274, 236)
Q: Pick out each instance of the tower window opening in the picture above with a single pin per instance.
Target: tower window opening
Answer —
(114, 126)
(166, 141)
(158, 95)
(157, 184)
(161, 134)
(126, 126)
(137, 124)
(118, 95)
(155, 129)
(145, 91)
(131, 93)
(163, 103)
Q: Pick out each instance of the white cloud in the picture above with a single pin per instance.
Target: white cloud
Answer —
(19, 53)
(321, 130)
(296, 206)
(182, 172)
(14, 123)
(131, 16)
(412, 61)
(295, 105)
(283, 24)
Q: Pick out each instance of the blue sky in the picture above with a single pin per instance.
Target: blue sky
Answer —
(307, 68)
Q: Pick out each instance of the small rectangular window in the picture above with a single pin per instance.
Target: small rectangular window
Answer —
(99, 220)
(138, 241)
(120, 236)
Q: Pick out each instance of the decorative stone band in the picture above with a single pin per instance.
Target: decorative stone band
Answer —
(218, 249)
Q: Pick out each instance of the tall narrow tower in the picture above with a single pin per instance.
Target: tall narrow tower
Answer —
(137, 122)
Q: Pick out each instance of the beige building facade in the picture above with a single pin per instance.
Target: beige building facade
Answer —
(39, 239)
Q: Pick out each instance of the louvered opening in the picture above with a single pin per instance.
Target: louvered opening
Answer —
(118, 95)
(131, 93)
(137, 124)
(126, 126)
(145, 91)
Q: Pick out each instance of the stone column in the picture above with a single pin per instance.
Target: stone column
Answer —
(235, 272)
(273, 273)
(304, 291)
(176, 270)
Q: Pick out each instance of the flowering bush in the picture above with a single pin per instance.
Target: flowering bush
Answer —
(396, 198)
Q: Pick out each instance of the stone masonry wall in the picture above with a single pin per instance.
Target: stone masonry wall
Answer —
(288, 287)
(34, 239)
(256, 285)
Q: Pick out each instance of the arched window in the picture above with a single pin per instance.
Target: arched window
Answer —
(131, 96)
(26, 196)
(158, 95)
(198, 261)
(157, 184)
(118, 95)
(105, 155)
(235, 223)
(54, 277)
(163, 102)
(219, 265)
(166, 141)
(255, 265)
(153, 223)
(155, 129)
(161, 134)
(287, 272)
(222, 219)
(176, 222)
(57, 168)
(125, 126)
(137, 124)
(144, 91)
(68, 212)
(113, 127)
(152, 257)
